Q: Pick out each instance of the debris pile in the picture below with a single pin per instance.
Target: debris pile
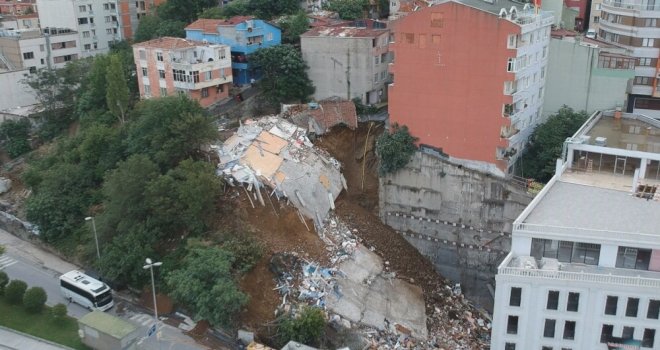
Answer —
(276, 153)
(320, 117)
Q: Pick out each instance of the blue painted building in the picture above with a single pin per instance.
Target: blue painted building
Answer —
(243, 34)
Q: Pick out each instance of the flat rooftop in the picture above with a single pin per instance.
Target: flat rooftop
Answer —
(569, 204)
(624, 132)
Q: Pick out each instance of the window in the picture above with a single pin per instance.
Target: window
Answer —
(33, 70)
(549, 328)
(28, 55)
(179, 75)
(642, 81)
(42, 47)
(436, 20)
(108, 31)
(143, 54)
(410, 37)
(161, 74)
(163, 91)
(509, 346)
(91, 20)
(647, 42)
(144, 71)
(649, 338)
(376, 60)
(586, 253)
(269, 36)
(565, 251)
(147, 90)
(631, 307)
(86, 34)
(82, 8)
(82, 20)
(546, 348)
(512, 325)
(553, 300)
(195, 75)
(644, 61)
(435, 39)
(376, 78)
(87, 46)
(42, 61)
(208, 75)
(649, 22)
(633, 258)
(108, 19)
(569, 330)
(159, 56)
(610, 305)
(106, 6)
(514, 298)
(511, 65)
(596, 19)
(96, 46)
(654, 309)
(205, 92)
(606, 333)
(628, 332)
(573, 301)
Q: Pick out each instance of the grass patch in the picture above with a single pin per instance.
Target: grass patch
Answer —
(41, 325)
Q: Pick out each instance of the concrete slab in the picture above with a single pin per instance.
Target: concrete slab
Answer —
(366, 297)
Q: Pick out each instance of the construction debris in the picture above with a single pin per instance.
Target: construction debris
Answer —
(319, 118)
(275, 153)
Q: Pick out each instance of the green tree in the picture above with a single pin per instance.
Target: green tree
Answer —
(58, 312)
(348, 9)
(284, 74)
(394, 149)
(152, 26)
(14, 137)
(14, 291)
(57, 90)
(169, 129)
(117, 93)
(268, 9)
(93, 97)
(307, 328)
(4, 279)
(205, 284)
(184, 10)
(234, 8)
(122, 257)
(292, 26)
(546, 143)
(34, 299)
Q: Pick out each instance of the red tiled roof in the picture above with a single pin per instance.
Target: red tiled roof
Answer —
(205, 25)
(237, 20)
(169, 43)
(333, 112)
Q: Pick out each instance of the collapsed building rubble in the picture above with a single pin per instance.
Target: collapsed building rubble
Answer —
(320, 117)
(359, 291)
(276, 153)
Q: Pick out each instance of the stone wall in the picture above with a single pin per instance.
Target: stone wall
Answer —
(458, 216)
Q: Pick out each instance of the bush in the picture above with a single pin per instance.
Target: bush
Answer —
(15, 291)
(3, 281)
(307, 328)
(34, 299)
(58, 312)
(394, 149)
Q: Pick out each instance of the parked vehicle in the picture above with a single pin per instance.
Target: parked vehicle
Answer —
(591, 34)
(86, 291)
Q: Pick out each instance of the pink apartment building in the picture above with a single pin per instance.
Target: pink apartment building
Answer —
(168, 66)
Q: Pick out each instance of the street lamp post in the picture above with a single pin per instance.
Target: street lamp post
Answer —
(96, 237)
(150, 265)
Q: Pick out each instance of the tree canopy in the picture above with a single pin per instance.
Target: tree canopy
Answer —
(348, 9)
(117, 94)
(185, 11)
(262, 9)
(152, 26)
(394, 149)
(545, 145)
(292, 26)
(307, 328)
(14, 137)
(204, 281)
(284, 74)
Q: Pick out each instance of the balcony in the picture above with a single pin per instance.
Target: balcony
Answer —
(178, 63)
(581, 273)
(189, 85)
(508, 131)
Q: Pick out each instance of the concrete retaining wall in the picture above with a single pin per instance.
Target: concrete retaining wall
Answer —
(459, 218)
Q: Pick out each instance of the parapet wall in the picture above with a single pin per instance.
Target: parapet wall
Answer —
(460, 218)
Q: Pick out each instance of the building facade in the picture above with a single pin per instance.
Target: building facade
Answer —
(635, 25)
(244, 35)
(131, 11)
(17, 8)
(29, 21)
(36, 49)
(469, 77)
(586, 74)
(96, 21)
(348, 60)
(169, 66)
(584, 266)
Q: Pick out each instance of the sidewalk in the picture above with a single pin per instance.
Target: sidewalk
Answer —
(31, 252)
(15, 340)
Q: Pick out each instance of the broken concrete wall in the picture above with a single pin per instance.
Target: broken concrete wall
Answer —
(459, 218)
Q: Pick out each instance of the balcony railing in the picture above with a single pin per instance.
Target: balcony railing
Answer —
(585, 233)
(632, 5)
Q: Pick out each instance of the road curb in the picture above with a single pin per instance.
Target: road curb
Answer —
(64, 347)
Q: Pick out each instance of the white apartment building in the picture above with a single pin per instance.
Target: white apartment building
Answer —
(96, 21)
(35, 49)
(584, 268)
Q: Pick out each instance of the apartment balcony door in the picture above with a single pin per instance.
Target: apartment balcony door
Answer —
(620, 165)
